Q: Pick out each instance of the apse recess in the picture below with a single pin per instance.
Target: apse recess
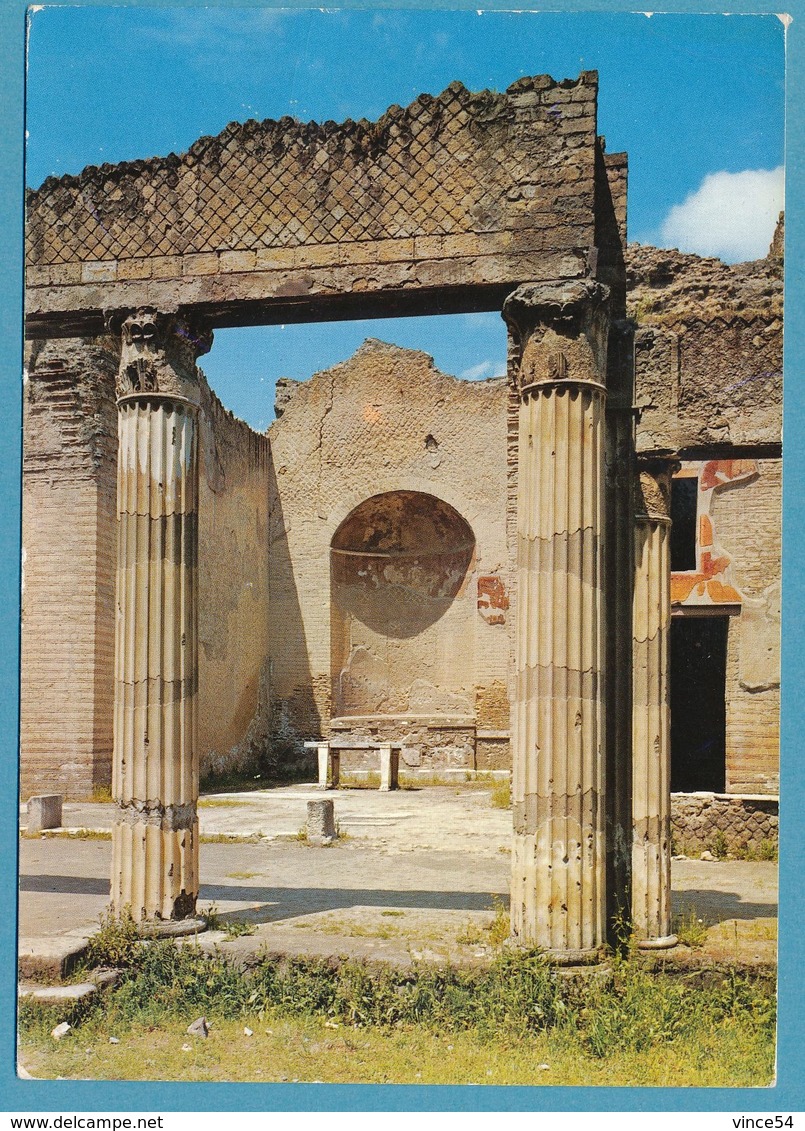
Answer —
(402, 613)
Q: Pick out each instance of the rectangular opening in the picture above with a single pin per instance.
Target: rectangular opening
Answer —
(698, 703)
(684, 498)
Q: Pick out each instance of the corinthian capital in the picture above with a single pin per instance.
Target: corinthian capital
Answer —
(560, 332)
(158, 353)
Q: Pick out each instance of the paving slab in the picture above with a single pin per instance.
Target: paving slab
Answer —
(418, 876)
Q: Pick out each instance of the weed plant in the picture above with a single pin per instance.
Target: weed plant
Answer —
(690, 929)
(620, 1008)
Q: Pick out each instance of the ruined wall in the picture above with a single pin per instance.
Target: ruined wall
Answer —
(68, 546)
(387, 421)
(69, 557)
(709, 383)
(742, 827)
(233, 592)
(709, 350)
(460, 190)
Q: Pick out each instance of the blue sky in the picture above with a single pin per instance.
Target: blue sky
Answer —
(697, 101)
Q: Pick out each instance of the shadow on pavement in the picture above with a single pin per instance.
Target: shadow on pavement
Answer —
(283, 903)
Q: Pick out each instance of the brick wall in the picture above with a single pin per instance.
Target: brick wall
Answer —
(69, 468)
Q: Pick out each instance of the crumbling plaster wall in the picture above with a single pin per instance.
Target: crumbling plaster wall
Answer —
(233, 592)
(384, 421)
(709, 349)
(747, 520)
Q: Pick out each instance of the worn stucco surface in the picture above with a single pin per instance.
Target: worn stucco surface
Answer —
(394, 621)
(233, 592)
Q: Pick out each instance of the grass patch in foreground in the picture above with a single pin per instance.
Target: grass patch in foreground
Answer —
(621, 1024)
(307, 1049)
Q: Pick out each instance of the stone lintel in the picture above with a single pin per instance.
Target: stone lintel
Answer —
(269, 297)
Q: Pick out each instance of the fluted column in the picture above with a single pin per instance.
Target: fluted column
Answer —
(558, 717)
(155, 764)
(651, 721)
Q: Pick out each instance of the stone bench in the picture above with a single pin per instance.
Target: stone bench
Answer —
(329, 756)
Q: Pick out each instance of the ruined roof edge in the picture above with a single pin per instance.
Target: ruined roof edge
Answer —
(304, 131)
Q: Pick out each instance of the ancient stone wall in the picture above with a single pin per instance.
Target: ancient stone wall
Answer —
(735, 826)
(709, 383)
(233, 592)
(271, 218)
(412, 641)
(709, 350)
(68, 546)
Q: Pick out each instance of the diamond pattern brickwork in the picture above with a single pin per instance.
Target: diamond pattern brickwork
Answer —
(457, 163)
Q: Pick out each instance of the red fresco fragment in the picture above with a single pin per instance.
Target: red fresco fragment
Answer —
(719, 472)
(492, 599)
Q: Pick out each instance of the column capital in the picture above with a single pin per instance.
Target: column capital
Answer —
(564, 305)
(560, 331)
(158, 352)
(653, 486)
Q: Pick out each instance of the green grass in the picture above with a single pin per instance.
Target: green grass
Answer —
(283, 1048)
(229, 838)
(494, 1024)
(68, 834)
(689, 929)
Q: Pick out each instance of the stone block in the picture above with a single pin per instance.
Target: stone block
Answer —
(321, 821)
(134, 268)
(201, 263)
(44, 812)
(49, 958)
(59, 995)
(237, 261)
(65, 274)
(166, 267)
(99, 272)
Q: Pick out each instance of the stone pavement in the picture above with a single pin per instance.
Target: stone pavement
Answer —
(419, 874)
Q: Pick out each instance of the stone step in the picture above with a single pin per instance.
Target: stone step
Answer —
(49, 959)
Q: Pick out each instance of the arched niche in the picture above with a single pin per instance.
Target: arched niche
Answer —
(401, 613)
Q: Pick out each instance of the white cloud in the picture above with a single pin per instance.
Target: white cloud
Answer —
(483, 370)
(731, 215)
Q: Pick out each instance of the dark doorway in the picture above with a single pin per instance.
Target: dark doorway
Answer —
(698, 708)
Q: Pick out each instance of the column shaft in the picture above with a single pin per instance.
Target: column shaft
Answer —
(155, 771)
(559, 850)
(558, 715)
(651, 725)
